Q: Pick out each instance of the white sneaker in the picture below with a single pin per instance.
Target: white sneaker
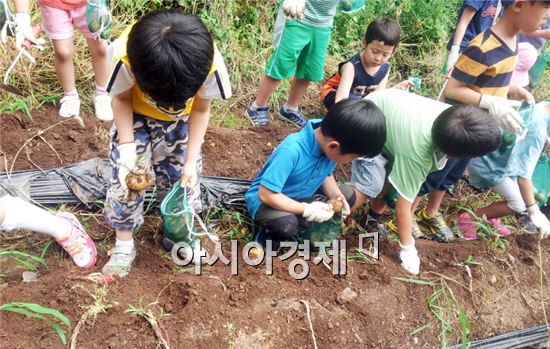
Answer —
(120, 262)
(103, 108)
(70, 106)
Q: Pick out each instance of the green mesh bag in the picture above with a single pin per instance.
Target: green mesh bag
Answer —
(350, 6)
(98, 17)
(177, 216)
(323, 232)
(541, 180)
(536, 71)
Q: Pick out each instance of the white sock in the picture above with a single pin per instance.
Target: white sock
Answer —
(288, 107)
(70, 93)
(125, 246)
(254, 106)
(20, 214)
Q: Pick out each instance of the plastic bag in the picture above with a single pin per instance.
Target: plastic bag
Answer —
(7, 24)
(350, 6)
(99, 19)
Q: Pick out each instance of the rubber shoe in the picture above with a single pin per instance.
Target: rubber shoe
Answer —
(499, 229)
(416, 232)
(70, 106)
(120, 262)
(436, 228)
(467, 226)
(525, 223)
(103, 108)
(294, 117)
(78, 244)
(258, 117)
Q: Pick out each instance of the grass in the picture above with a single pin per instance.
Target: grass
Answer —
(39, 312)
(27, 260)
(149, 315)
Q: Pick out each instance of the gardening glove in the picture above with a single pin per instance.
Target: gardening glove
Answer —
(317, 211)
(453, 56)
(23, 30)
(409, 259)
(503, 111)
(294, 8)
(539, 220)
(126, 161)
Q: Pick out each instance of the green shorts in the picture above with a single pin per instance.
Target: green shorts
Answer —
(301, 52)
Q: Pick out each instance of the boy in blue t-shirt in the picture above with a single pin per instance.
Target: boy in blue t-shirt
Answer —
(474, 17)
(280, 198)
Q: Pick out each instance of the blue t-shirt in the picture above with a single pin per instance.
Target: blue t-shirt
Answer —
(486, 12)
(518, 160)
(296, 168)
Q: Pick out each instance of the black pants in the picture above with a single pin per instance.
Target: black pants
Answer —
(282, 225)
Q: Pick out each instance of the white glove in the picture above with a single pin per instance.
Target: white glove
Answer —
(126, 161)
(23, 29)
(503, 111)
(294, 8)
(317, 211)
(409, 259)
(539, 220)
(453, 56)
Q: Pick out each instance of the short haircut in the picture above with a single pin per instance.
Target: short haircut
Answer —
(170, 54)
(465, 131)
(385, 30)
(358, 125)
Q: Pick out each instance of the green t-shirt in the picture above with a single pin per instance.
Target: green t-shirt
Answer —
(409, 120)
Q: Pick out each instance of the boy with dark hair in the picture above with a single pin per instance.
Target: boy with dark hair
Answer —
(481, 77)
(422, 134)
(369, 69)
(166, 71)
(280, 198)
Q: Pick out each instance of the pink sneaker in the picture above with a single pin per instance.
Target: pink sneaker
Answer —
(500, 229)
(467, 226)
(78, 244)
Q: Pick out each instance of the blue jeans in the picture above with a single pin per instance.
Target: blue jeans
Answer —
(444, 178)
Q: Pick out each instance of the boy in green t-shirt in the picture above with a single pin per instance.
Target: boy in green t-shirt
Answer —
(421, 134)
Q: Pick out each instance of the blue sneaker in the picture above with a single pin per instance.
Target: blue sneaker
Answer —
(259, 117)
(294, 117)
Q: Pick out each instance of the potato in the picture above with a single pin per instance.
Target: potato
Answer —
(139, 180)
(336, 205)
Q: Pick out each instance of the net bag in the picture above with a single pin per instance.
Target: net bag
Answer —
(323, 232)
(541, 180)
(99, 19)
(350, 6)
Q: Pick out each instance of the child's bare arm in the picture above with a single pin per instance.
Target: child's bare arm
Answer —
(124, 116)
(330, 188)
(463, 22)
(346, 80)
(279, 201)
(382, 85)
(404, 220)
(541, 33)
(519, 93)
(198, 122)
(461, 92)
(526, 188)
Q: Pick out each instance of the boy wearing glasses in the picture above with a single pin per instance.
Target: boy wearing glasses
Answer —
(165, 73)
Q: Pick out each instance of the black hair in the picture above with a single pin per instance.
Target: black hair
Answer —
(358, 125)
(170, 54)
(385, 30)
(465, 131)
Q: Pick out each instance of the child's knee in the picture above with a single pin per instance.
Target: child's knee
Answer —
(64, 54)
(516, 205)
(284, 227)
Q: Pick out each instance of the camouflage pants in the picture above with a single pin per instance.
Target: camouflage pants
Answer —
(160, 145)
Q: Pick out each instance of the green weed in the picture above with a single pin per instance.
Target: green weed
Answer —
(27, 260)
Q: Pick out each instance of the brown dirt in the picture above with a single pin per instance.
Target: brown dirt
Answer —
(251, 309)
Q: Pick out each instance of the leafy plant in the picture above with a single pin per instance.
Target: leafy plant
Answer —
(37, 311)
(25, 259)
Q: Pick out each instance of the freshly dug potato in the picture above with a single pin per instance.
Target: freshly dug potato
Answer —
(138, 180)
(336, 205)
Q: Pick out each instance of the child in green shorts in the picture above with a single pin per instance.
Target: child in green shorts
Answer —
(299, 48)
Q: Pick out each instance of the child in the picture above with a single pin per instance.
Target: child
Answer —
(368, 70)
(509, 174)
(527, 56)
(63, 227)
(58, 19)
(166, 71)
(422, 135)
(299, 50)
(481, 76)
(474, 17)
(280, 198)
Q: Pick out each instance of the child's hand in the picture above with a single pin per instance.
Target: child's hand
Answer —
(405, 85)
(23, 30)
(189, 175)
(346, 209)
(317, 211)
(539, 220)
(409, 259)
(126, 161)
(453, 57)
(294, 8)
(503, 111)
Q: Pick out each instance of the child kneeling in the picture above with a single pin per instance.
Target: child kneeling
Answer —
(280, 198)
